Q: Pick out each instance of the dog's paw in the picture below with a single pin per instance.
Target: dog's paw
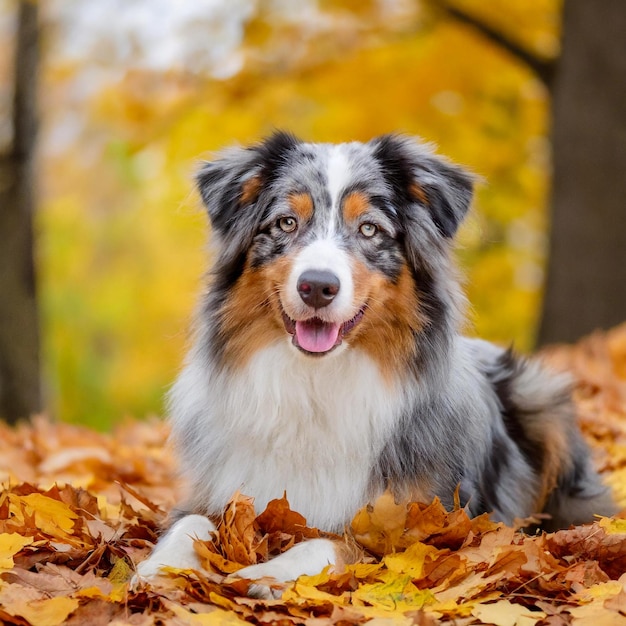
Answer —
(269, 580)
(146, 570)
(175, 549)
(265, 592)
(309, 557)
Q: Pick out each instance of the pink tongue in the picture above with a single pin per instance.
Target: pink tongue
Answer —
(317, 336)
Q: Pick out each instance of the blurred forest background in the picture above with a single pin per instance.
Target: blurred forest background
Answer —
(132, 94)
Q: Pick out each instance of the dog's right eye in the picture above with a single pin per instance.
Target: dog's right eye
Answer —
(287, 224)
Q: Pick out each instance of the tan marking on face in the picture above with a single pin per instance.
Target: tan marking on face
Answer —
(355, 205)
(251, 318)
(302, 205)
(417, 192)
(277, 275)
(250, 190)
(391, 318)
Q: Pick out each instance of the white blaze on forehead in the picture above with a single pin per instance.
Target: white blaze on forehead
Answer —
(338, 175)
(324, 255)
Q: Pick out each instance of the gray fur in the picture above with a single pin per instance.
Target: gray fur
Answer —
(459, 411)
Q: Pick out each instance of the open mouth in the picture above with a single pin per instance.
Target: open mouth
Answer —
(317, 337)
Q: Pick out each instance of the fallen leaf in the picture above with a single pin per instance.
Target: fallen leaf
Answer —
(613, 526)
(506, 613)
(397, 593)
(52, 517)
(379, 526)
(412, 560)
(47, 612)
(66, 550)
(215, 617)
(10, 545)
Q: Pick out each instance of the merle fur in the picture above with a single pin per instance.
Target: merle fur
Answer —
(464, 422)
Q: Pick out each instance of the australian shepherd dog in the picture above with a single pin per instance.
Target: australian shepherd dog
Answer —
(328, 361)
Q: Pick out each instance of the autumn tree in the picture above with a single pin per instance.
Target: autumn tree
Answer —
(586, 274)
(19, 336)
(122, 140)
(586, 283)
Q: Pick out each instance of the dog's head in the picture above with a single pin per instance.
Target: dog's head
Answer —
(331, 245)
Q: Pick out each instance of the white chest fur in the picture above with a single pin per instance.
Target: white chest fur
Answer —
(287, 422)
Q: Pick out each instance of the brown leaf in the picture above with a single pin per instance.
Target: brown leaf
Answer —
(237, 532)
(387, 525)
(591, 542)
(213, 561)
(279, 517)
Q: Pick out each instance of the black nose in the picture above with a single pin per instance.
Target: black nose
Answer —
(318, 288)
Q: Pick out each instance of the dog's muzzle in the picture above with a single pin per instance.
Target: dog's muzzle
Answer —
(315, 336)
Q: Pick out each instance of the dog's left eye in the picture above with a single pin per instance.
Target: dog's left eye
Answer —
(287, 224)
(368, 230)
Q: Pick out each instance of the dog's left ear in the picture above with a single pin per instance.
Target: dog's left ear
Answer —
(418, 175)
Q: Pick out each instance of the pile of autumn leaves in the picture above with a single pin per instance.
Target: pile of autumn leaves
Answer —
(79, 509)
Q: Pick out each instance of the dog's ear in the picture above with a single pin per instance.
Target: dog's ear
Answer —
(419, 176)
(232, 184)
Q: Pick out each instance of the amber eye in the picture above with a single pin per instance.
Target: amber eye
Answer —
(287, 224)
(368, 230)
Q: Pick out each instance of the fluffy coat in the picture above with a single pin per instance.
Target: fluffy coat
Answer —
(328, 360)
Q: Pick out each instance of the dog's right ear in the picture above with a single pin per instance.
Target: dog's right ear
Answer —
(232, 185)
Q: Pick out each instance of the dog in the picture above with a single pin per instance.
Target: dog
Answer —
(328, 361)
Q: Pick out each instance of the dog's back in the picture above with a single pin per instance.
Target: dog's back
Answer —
(538, 439)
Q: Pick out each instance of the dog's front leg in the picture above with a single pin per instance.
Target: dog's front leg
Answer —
(175, 547)
(306, 558)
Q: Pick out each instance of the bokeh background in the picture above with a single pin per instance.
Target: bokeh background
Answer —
(133, 94)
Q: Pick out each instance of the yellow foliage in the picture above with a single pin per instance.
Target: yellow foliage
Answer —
(613, 526)
(46, 612)
(411, 561)
(397, 593)
(121, 234)
(10, 545)
(214, 617)
(506, 613)
(52, 517)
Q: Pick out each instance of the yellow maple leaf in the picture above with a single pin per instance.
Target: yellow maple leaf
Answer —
(613, 526)
(52, 517)
(364, 570)
(505, 613)
(601, 591)
(396, 593)
(317, 579)
(121, 572)
(216, 617)
(10, 545)
(379, 526)
(48, 612)
(411, 561)
(307, 595)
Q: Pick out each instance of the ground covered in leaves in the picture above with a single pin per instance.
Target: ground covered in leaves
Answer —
(79, 509)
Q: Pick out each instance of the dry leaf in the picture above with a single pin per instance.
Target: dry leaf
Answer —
(66, 551)
(505, 613)
(10, 545)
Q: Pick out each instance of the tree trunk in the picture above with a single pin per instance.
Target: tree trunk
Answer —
(586, 282)
(20, 394)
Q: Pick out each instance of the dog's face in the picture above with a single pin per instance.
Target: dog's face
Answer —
(330, 246)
